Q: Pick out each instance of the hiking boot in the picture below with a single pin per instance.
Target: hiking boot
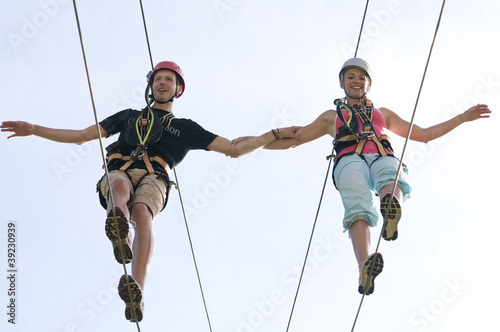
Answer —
(370, 269)
(130, 292)
(117, 232)
(392, 215)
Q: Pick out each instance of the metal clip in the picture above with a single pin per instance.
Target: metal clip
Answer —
(367, 134)
(138, 152)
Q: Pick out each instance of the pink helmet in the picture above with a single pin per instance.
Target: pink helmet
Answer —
(170, 66)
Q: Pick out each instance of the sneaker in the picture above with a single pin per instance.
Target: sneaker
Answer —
(117, 232)
(130, 292)
(391, 215)
(370, 269)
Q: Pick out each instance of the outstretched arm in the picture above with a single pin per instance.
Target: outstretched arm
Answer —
(400, 126)
(323, 125)
(249, 144)
(23, 129)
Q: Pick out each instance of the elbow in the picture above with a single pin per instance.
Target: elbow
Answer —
(84, 137)
(81, 140)
(422, 138)
(425, 140)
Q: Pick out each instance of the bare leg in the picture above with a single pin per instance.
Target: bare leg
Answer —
(361, 240)
(143, 246)
(370, 266)
(121, 195)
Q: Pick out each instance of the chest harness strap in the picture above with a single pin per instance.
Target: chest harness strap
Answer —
(349, 133)
(142, 126)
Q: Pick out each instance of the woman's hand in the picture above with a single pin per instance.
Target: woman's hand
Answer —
(479, 111)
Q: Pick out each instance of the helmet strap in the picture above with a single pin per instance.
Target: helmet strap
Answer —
(354, 98)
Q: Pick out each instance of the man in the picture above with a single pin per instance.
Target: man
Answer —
(151, 142)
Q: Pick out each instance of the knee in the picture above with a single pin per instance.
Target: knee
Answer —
(141, 215)
(120, 186)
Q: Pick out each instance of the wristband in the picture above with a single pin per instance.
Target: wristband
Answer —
(277, 136)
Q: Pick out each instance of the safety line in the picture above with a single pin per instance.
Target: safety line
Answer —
(147, 35)
(361, 29)
(404, 150)
(192, 251)
(111, 201)
(179, 190)
(330, 158)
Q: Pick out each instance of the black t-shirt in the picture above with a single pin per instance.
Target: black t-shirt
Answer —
(175, 142)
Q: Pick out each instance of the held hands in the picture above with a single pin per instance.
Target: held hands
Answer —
(479, 111)
(281, 133)
(19, 128)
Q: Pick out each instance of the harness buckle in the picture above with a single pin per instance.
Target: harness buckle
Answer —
(367, 134)
(138, 152)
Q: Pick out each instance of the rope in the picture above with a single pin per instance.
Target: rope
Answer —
(361, 29)
(404, 150)
(310, 241)
(111, 201)
(179, 190)
(330, 158)
(146, 32)
(192, 252)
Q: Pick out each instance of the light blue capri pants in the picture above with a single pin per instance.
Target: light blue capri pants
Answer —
(357, 178)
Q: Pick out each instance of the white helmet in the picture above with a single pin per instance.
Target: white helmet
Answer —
(356, 63)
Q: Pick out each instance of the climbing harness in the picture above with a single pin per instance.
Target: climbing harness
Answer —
(145, 129)
(349, 133)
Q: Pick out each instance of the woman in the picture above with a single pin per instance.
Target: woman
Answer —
(365, 162)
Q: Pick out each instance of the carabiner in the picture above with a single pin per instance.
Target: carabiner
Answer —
(138, 152)
(367, 134)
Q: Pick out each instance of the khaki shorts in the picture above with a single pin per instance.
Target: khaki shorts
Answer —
(149, 189)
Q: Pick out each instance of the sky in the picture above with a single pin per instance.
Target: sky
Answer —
(250, 66)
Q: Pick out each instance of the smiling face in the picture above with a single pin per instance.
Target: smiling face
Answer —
(355, 82)
(165, 85)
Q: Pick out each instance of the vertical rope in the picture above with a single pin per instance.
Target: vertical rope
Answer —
(179, 191)
(404, 150)
(330, 158)
(110, 199)
(361, 29)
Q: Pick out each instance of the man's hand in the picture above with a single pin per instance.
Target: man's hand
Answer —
(19, 128)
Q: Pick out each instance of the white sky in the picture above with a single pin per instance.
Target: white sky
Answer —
(251, 66)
